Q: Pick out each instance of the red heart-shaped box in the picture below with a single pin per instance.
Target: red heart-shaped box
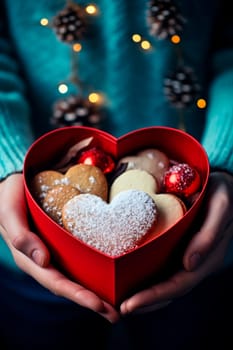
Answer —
(111, 278)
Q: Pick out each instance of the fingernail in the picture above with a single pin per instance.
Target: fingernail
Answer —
(194, 261)
(37, 257)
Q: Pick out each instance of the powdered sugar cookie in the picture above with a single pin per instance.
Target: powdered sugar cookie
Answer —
(56, 198)
(113, 228)
(170, 210)
(133, 179)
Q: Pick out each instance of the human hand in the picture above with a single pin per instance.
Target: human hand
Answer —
(32, 256)
(204, 254)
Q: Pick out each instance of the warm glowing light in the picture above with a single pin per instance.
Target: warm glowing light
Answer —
(201, 103)
(62, 88)
(94, 97)
(77, 47)
(175, 39)
(136, 38)
(44, 21)
(146, 45)
(91, 9)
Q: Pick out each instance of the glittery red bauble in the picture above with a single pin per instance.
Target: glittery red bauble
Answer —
(182, 180)
(97, 157)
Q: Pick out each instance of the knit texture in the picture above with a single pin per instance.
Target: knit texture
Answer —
(131, 79)
(218, 135)
(15, 132)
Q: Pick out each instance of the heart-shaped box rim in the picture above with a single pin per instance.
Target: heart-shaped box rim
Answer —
(116, 141)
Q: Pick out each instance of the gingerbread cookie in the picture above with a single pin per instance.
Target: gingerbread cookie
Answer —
(56, 198)
(85, 178)
(88, 179)
(113, 228)
(45, 181)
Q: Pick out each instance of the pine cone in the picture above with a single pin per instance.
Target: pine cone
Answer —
(164, 19)
(181, 87)
(76, 110)
(70, 23)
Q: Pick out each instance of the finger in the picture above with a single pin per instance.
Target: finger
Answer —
(14, 223)
(210, 233)
(152, 307)
(179, 284)
(60, 285)
(174, 287)
(16, 232)
(28, 243)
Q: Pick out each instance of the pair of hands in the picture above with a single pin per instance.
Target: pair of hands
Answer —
(204, 254)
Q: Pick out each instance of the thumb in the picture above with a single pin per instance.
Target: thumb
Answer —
(14, 222)
(209, 234)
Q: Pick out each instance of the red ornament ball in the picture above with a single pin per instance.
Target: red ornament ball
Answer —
(182, 180)
(97, 157)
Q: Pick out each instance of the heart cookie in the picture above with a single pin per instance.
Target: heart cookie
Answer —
(113, 228)
(85, 178)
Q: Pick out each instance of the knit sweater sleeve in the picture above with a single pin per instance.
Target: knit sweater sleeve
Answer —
(218, 136)
(15, 131)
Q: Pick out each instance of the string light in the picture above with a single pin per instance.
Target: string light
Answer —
(136, 38)
(95, 97)
(77, 47)
(44, 21)
(201, 103)
(145, 45)
(175, 39)
(62, 88)
(91, 9)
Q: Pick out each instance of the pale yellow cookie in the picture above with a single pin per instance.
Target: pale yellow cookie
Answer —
(133, 179)
(170, 210)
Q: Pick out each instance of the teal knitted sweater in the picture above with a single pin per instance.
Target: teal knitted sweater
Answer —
(33, 62)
